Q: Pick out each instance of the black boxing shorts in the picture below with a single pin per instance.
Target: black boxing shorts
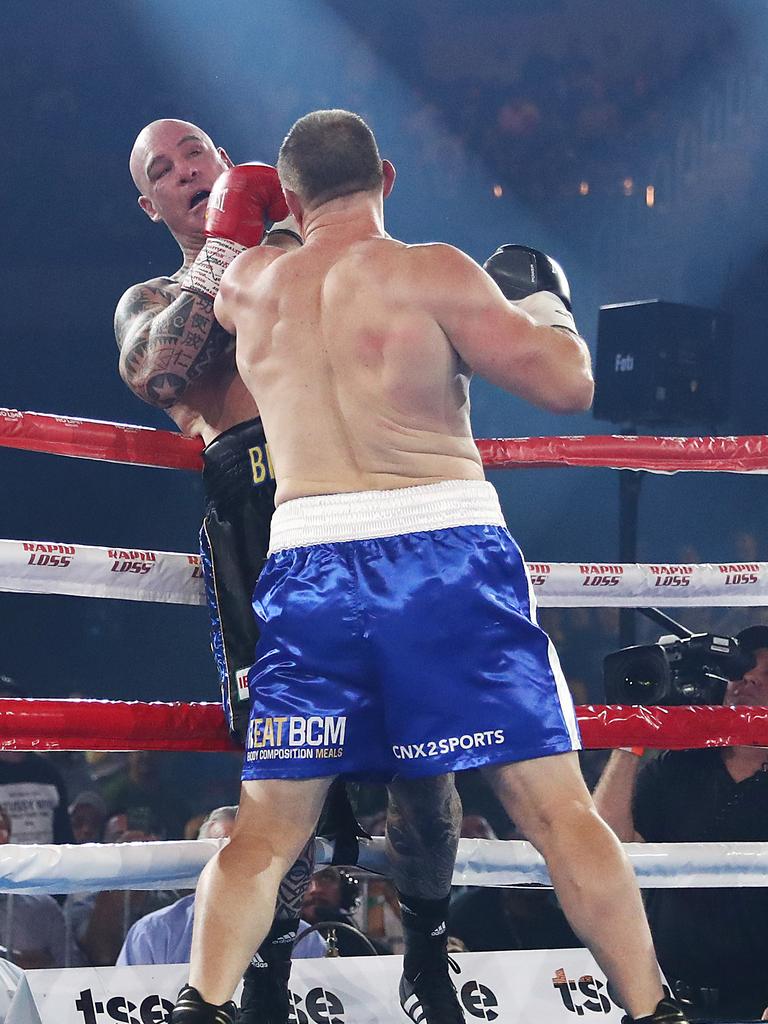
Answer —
(240, 499)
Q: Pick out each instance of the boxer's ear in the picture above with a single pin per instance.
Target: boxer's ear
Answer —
(224, 155)
(294, 205)
(389, 174)
(149, 208)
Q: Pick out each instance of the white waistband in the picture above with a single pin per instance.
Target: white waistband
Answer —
(363, 515)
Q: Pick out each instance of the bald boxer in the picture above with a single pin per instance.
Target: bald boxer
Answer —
(176, 356)
(398, 628)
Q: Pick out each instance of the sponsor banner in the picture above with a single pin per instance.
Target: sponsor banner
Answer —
(45, 567)
(598, 585)
(80, 570)
(544, 985)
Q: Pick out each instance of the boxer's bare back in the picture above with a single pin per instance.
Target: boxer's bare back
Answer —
(357, 385)
(356, 350)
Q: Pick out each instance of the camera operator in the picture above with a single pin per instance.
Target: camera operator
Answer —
(711, 943)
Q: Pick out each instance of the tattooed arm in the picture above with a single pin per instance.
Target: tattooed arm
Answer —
(166, 341)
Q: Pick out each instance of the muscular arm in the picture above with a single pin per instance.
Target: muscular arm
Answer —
(166, 342)
(614, 792)
(547, 366)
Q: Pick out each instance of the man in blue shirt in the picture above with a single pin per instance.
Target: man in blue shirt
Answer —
(165, 936)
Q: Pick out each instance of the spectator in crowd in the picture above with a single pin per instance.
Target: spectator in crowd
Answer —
(165, 936)
(521, 917)
(524, 917)
(73, 765)
(32, 790)
(382, 920)
(192, 827)
(332, 896)
(710, 942)
(475, 826)
(99, 920)
(144, 785)
(88, 815)
(103, 765)
(31, 925)
(477, 799)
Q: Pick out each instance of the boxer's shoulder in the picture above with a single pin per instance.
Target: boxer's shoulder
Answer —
(242, 269)
(422, 269)
(439, 257)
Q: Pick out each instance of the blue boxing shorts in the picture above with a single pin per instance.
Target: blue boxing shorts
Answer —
(398, 636)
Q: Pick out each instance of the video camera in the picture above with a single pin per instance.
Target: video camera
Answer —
(685, 668)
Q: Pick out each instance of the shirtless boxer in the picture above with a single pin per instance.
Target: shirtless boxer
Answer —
(398, 630)
(173, 354)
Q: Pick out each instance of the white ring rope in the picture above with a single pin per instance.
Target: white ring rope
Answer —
(176, 865)
(81, 570)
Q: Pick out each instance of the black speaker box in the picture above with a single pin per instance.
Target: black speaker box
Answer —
(661, 362)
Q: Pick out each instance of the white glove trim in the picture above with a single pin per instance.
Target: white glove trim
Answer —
(548, 309)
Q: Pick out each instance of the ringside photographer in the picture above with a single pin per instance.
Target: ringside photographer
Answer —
(710, 942)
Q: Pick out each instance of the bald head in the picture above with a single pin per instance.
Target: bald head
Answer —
(174, 165)
(157, 136)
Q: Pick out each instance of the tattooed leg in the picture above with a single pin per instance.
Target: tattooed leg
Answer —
(265, 984)
(423, 826)
(290, 896)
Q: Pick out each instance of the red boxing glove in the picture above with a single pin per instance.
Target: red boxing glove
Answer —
(241, 200)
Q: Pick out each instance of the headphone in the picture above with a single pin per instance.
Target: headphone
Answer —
(349, 887)
(350, 891)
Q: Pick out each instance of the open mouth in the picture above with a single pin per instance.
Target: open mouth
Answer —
(199, 197)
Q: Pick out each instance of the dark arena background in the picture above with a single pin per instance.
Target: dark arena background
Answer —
(629, 140)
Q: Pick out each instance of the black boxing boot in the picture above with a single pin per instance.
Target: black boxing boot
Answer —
(427, 993)
(668, 1011)
(191, 1008)
(266, 999)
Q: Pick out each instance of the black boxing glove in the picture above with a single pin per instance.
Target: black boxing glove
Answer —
(535, 282)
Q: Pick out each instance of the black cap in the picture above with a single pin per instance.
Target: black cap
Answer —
(753, 638)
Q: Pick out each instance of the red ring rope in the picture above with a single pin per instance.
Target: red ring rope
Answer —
(119, 442)
(34, 724)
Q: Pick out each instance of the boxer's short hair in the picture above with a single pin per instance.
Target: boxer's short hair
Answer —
(328, 154)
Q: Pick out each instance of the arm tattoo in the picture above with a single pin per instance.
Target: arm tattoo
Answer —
(293, 887)
(167, 343)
